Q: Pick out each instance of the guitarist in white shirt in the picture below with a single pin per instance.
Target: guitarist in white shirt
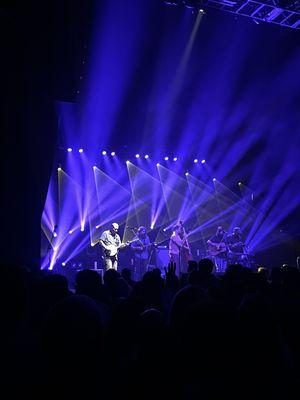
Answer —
(110, 241)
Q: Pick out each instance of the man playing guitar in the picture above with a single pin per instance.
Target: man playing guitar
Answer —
(141, 246)
(217, 248)
(110, 241)
(237, 248)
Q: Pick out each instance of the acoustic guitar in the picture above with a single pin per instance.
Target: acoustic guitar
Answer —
(218, 249)
(143, 247)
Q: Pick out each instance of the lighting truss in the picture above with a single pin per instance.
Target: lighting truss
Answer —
(280, 12)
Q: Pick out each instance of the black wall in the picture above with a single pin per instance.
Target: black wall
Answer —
(42, 45)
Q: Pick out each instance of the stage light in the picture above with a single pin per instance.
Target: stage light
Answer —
(70, 231)
(137, 156)
(157, 164)
(146, 156)
(214, 179)
(196, 160)
(59, 169)
(80, 150)
(186, 174)
(63, 264)
(82, 229)
(175, 159)
(69, 149)
(240, 183)
(54, 234)
(201, 10)
(166, 158)
(113, 153)
(203, 161)
(127, 161)
(94, 167)
(104, 153)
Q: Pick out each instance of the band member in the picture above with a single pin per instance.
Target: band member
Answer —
(141, 246)
(178, 248)
(236, 246)
(110, 241)
(235, 241)
(218, 249)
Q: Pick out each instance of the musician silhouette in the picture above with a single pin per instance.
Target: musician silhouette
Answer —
(141, 247)
(217, 249)
(237, 249)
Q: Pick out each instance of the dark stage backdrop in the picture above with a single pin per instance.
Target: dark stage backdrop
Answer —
(41, 45)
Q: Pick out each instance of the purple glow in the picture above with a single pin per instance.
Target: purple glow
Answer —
(164, 110)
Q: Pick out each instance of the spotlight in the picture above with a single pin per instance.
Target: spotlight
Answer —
(69, 149)
(240, 183)
(214, 179)
(175, 159)
(70, 231)
(113, 153)
(203, 161)
(137, 156)
(127, 161)
(54, 234)
(80, 150)
(63, 264)
(186, 174)
(196, 160)
(201, 10)
(104, 153)
(94, 167)
(59, 169)
(166, 158)
(146, 156)
(157, 164)
(82, 229)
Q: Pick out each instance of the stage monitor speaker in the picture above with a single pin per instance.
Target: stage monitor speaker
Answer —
(162, 257)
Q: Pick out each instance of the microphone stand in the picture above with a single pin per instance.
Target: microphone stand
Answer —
(50, 247)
